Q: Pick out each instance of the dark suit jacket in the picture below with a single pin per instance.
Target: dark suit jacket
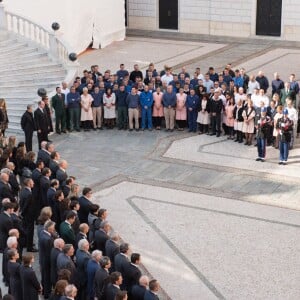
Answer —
(84, 210)
(53, 165)
(27, 122)
(132, 274)
(111, 292)
(58, 103)
(67, 233)
(50, 196)
(111, 250)
(65, 262)
(53, 262)
(100, 282)
(15, 280)
(30, 284)
(6, 192)
(100, 239)
(45, 185)
(150, 296)
(45, 246)
(6, 224)
(44, 156)
(79, 236)
(41, 120)
(121, 265)
(138, 292)
(36, 191)
(66, 190)
(26, 203)
(61, 176)
(82, 259)
(15, 187)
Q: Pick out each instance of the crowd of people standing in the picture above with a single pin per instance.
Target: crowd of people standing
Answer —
(79, 256)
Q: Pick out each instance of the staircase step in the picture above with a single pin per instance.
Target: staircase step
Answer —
(21, 67)
(14, 47)
(8, 41)
(32, 74)
(28, 57)
(38, 79)
(21, 50)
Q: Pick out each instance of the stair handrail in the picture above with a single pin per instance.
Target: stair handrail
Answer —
(57, 48)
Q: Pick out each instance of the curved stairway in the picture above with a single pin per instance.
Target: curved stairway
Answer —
(24, 68)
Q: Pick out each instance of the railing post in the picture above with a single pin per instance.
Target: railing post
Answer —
(3, 21)
(53, 45)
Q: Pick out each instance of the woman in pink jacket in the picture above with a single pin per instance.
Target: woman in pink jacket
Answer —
(158, 109)
(181, 109)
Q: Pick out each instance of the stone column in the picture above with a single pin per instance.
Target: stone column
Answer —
(3, 22)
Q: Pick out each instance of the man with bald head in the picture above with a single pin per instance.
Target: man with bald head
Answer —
(138, 291)
(5, 189)
(58, 246)
(263, 81)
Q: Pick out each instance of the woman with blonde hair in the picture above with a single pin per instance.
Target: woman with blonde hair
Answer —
(86, 109)
(3, 117)
(44, 217)
(74, 191)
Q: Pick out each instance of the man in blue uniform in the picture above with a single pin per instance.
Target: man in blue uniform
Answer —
(146, 100)
(192, 104)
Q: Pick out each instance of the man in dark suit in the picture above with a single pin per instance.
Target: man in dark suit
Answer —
(45, 185)
(82, 258)
(92, 267)
(36, 191)
(101, 279)
(85, 204)
(45, 245)
(82, 234)
(138, 291)
(28, 126)
(151, 294)
(101, 236)
(53, 164)
(65, 229)
(61, 174)
(133, 273)
(58, 245)
(114, 286)
(64, 261)
(27, 202)
(112, 248)
(13, 182)
(122, 263)
(44, 153)
(5, 188)
(54, 185)
(70, 292)
(6, 223)
(58, 103)
(41, 122)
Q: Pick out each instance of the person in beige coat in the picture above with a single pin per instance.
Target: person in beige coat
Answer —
(86, 109)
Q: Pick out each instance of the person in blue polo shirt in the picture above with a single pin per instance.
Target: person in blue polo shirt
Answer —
(146, 100)
(192, 104)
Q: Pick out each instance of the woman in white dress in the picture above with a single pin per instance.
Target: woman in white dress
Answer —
(248, 126)
(86, 109)
(109, 103)
(277, 116)
(203, 115)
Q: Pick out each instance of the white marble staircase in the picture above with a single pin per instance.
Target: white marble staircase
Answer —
(30, 58)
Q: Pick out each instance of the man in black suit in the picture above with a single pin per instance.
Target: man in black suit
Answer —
(122, 263)
(41, 122)
(5, 188)
(101, 279)
(101, 236)
(44, 153)
(13, 182)
(151, 294)
(82, 234)
(27, 202)
(133, 273)
(36, 191)
(54, 185)
(28, 126)
(138, 291)
(58, 245)
(85, 204)
(53, 164)
(112, 289)
(112, 248)
(61, 174)
(67, 187)
(64, 261)
(58, 103)
(45, 185)
(11, 243)
(6, 223)
(45, 245)
(70, 292)
(82, 258)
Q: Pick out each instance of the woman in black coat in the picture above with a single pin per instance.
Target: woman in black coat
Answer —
(13, 268)
(30, 285)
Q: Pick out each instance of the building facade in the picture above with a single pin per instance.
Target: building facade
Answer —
(238, 18)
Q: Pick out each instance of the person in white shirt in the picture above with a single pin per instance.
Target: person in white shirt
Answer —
(293, 115)
(168, 77)
(252, 85)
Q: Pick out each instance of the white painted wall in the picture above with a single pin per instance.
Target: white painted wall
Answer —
(76, 19)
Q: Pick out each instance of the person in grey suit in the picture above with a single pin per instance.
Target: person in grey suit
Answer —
(112, 248)
(82, 258)
(64, 261)
(58, 245)
(61, 174)
(101, 279)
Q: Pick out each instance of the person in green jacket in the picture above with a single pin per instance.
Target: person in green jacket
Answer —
(65, 229)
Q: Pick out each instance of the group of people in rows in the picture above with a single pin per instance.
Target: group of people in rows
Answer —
(80, 256)
(230, 102)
